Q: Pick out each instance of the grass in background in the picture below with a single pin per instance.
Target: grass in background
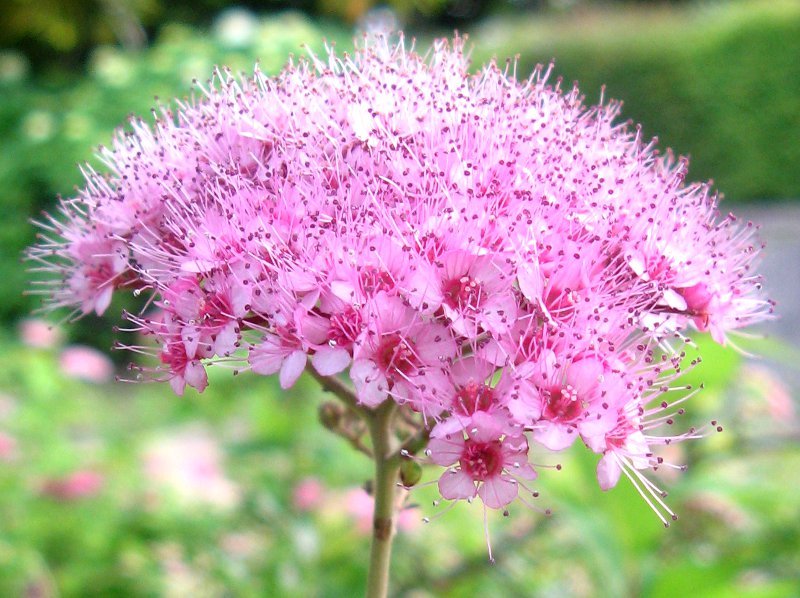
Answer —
(233, 523)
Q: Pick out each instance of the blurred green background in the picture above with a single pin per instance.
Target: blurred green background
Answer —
(113, 489)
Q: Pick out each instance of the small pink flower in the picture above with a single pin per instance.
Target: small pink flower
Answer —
(39, 334)
(487, 460)
(100, 262)
(361, 507)
(566, 400)
(8, 447)
(473, 291)
(401, 356)
(285, 350)
(308, 494)
(86, 363)
(186, 466)
(80, 484)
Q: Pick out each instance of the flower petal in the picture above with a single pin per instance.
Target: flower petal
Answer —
(292, 367)
(455, 485)
(498, 491)
(371, 385)
(331, 360)
(608, 471)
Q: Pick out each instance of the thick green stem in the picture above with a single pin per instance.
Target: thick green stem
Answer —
(387, 465)
(385, 452)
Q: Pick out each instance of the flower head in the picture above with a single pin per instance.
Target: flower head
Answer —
(487, 252)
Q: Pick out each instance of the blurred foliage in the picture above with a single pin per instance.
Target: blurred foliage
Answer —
(738, 533)
(53, 32)
(719, 81)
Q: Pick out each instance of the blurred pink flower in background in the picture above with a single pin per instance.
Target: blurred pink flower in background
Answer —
(308, 494)
(187, 466)
(39, 334)
(83, 483)
(85, 363)
(360, 506)
(767, 384)
(8, 447)
(8, 405)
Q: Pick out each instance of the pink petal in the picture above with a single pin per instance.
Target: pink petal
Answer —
(361, 121)
(554, 436)
(314, 328)
(530, 281)
(191, 338)
(240, 298)
(457, 263)
(371, 385)
(446, 450)
(485, 427)
(178, 384)
(674, 300)
(585, 376)
(195, 375)
(498, 491)
(471, 368)
(425, 292)
(493, 352)
(198, 266)
(330, 360)
(225, 343)
(266, 358)
(499, 313)
(608, 471)
(455, 485)
(636, 263)
(343, 290)
(434, 343)
(292, 367)
(103, 300)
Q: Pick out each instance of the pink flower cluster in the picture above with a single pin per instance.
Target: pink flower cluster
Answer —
(492, 254)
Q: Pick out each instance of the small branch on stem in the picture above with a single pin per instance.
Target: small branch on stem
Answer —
(339, 388)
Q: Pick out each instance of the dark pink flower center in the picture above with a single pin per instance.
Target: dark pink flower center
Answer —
(464, 292)
(395, 354)
(617, 437)
(562, 404)
(659, 267)
(374, 280)
(100, 273)
(482, 460)
(345, 327)
(698, 298)
(174, 356)
(213, 311)
(472, 397)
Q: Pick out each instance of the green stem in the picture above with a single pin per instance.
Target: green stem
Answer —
(387, 465)
(385, 452)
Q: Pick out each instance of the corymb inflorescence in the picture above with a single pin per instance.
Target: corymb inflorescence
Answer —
(505, 264)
